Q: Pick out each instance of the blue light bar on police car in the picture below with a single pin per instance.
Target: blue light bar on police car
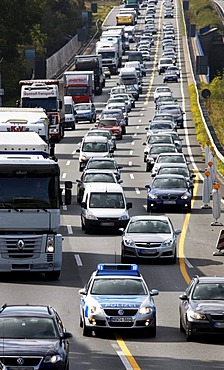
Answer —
(117, 269)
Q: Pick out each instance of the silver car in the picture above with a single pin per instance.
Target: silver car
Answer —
(149, 237)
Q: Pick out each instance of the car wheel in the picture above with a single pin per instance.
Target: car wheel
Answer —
(188, 333)
(80, 168)
(86, 332)
(73, 127)
(80, 322)
(151, 332)
(82, 225)
(148, 168)
(123, 258)
(67, 366)
(148, 208)
(52, 275)
(181, 327)
(188, 209)
(173, 259)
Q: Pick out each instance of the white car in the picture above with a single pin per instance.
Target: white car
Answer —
(162, 91)
(168, 158)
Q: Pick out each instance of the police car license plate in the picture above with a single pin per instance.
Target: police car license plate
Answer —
(110, 224)
(121, 319)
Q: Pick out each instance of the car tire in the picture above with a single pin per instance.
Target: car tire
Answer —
(73, 127)
(173, 260)
(52, 275)
(123, 258)
(181, 327)
(86, 332)
(188, 335)
(148, 208)
(82, 226)
(80, 168)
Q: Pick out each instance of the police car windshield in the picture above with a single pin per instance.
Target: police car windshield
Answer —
(118, 286)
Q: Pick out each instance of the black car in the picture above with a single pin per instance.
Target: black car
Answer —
(33, 337)
(201, 307)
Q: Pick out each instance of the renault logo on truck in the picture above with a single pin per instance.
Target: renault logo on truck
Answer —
(20, 244)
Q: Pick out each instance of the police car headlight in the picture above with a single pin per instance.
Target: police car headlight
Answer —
(197, 316)
(53, 359)
(145, 310)
(50, 245)
(129, 242)
(96, 310)
(124, 217)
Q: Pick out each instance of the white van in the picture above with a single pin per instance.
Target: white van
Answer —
(104, 206)
(69, 112)
(129, 76)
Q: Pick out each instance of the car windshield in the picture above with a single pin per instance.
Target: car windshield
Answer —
(163, 117)
(110, 165)
(163, 89)
(169, 183)
(208, 291)
(109, 123)
(161, 126)
(162, 149)
(149, 227)
(173, 170)
(172, 110)
(171, 159)
(94, 147)
(106, 134)
(106, 200)
(116, 286)
(99, 177)
(159, 139)
(111, 114)
(27, 328)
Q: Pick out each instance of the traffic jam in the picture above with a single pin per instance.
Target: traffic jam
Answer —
(104, 243)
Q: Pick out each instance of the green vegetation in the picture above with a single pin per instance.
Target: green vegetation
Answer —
(203, 13)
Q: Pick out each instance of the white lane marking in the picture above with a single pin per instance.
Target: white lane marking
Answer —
(131, 152)
(69, 227)
(133, 142)
(143, 108)
(68, 163)
(132, 176)
(139, 120)
(135, 135)
(124, 360)
(78, 259)
(64, 175)
(141, 114)
(64, 207)
(188, 263)
(130, 163)
(137, 127)
(137, 191)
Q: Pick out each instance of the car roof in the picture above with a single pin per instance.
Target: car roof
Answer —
(26, 310)
(149, 217)
(90, 139)
(101, 187)
(174, 165)
(210, 279)
(169, 176)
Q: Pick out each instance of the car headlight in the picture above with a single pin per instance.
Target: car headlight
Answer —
(53, 359)
(197, 316)
(153, 196)
(185, 196)
(83, 158)
(145, 310)
(94, 310)
(91, 217)
(150, 159)
(167, 243)
(124, 217)
(50, 245)
(129, 242)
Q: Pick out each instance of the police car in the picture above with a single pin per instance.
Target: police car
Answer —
(117, 297)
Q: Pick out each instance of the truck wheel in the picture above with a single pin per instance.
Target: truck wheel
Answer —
(52, 275)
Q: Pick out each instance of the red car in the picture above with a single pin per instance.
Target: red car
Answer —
(111, 124)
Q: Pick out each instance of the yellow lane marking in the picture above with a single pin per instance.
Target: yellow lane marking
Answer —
(156, 54)
(183, 235)
(127, 353)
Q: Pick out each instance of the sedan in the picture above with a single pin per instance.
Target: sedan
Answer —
(162, 91)
(113, 125)
(157, 139)
(168, 158)
(109, 164)
(169, 191)
(175, 69)
(201, 307)
(170, 76)
(176, 111)
(89, 176)
(85, 112)
(155, 150)
(145, 55)
(116, 297)
(149, 237)
(158, 127)
(106, 133)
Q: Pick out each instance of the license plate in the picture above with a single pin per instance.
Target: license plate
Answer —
(169, 202)
(121, 319)
(107, 224)
(148, 251)
(219, 324)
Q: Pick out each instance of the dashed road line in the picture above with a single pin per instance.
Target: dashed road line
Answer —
(78, 259)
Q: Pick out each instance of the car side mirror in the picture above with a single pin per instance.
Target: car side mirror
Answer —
(78, 150)
(147, 187)
(82, 291)
(129, 205)
(120, 231)
(183, 297)
(83, 205)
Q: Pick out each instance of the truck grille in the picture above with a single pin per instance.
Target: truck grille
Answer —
(20, 248)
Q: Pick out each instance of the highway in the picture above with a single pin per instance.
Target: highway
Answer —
(81, 252)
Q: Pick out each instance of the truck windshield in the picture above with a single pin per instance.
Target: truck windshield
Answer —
(50, 104)
(107, 54)
(129, 81)
(77, 90)
(29, 192)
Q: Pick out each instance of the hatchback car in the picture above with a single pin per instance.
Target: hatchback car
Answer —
(116, 297)
(33, 337)
(149, 237)
(201, 307)
(113, 125)
(169, 191)
(85, 112)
